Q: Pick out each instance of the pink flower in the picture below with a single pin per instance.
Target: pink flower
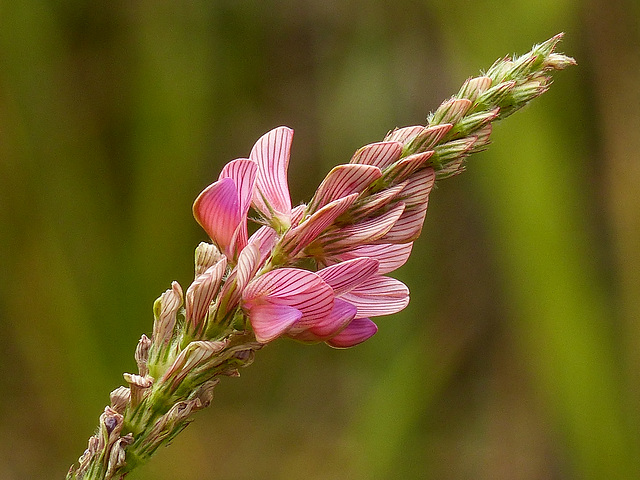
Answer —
(282, 298)
(221, 209)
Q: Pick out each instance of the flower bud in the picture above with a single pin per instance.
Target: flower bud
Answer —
(165, 309)
(206, 255)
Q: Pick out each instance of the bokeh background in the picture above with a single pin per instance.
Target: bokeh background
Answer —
(519, 355)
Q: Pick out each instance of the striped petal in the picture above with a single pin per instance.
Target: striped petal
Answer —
(418, 188)
(361, 233)
(344, 276)
(429, 137)
(269, 321)
(404, 134)
(408, 165)
(294, 287)
(272, 152)
(379, 295)
(301, 236)
(217, 210)
(243, 172)
(380, 154)
(389, 256)
(356, 332)
(201, 293)
(407, 228)
(341, 315)
(344, 180)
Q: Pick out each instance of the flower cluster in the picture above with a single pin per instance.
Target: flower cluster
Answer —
(352, 233)
(314, 272)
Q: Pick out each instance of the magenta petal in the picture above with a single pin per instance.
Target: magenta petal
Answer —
(344, 276)
(389, 256)
(378, 296)
(380, 154)
(217, 210)
(356, 332)
(269, 321)
(344, 180)
(272, 152)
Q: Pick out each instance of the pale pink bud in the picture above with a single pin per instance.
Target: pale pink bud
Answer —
(201, 293)
(165, 309)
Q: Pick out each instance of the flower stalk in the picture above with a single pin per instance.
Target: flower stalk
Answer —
(314, 273)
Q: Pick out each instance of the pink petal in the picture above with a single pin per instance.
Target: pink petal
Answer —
(343, 180)
(341, 315)
(356, 332)
(269, 321)
(430, 136)
(379, 295)
(243, 172)
(358, 234)
(380, 154)
(298, 238)
(405, 167)
(297, 288)
(272, 152)
(344, 276)
(248, 264)
(389, 256)
(264, 238)
(376, 201)
(418, 188)
(451, 111)
(408, 227)
(404, 134)
(217, 210)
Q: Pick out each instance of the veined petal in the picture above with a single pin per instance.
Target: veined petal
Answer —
(297, 288)
(201, 293)
(243, 172)
(269, 321)
(344, 180)
(217, 210)
(379, 295)
(404, 134)
(341, 315)
(306, 232)
(356, 332)
(376, 201)
(408, 227)
(248, 264)
(344, 276)
(418, 188)
(352, 236)
(429, 137)
(272, 152)
(380, 154)
(405, 167)
(389, 256)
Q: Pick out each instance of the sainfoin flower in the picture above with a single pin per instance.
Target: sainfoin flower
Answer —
(314, 273)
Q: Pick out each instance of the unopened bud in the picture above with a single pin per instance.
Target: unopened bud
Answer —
(474, 87)
(164, 310)
(451, 111)
(139, 387)
(207, 255)
(200, 295)
(142, 355)
(120, 398)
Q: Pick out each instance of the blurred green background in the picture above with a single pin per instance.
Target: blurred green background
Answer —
(519, 355)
